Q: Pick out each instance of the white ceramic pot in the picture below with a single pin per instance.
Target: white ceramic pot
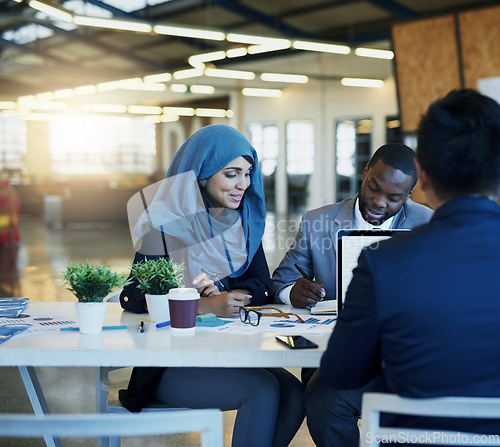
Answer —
(158, 308)
(91, 317)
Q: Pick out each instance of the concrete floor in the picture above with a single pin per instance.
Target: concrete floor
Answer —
(37, 273)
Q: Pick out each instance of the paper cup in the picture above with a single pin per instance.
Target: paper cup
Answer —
(183, 305)
(158, 308)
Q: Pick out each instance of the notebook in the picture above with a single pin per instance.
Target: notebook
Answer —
(349, 246)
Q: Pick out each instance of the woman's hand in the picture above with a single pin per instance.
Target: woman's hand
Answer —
(205, 286)
(226, 304)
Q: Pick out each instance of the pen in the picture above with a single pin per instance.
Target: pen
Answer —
(164, 324)
(104, 328)
(226, 288)
(297, 266)
(141, 327)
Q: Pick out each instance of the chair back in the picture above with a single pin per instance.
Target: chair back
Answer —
(209, 422)
(372, 434)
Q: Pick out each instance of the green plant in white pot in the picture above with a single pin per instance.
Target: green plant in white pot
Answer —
(156, 277)
(91, 284)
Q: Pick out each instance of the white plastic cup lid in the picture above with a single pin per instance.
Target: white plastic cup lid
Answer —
(183, 293)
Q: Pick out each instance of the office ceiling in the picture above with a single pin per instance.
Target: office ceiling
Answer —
(90, 55)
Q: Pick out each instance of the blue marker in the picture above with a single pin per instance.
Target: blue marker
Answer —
(164, 324)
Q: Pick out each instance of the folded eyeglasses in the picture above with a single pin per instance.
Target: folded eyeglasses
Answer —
(252, 315)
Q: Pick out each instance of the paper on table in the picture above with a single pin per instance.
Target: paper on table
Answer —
(9, 330)
(40, 322)
(12, 307)
(288, 326)
(328, 307)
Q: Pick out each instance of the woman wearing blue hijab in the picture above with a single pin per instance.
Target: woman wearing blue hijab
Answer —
(209, 213)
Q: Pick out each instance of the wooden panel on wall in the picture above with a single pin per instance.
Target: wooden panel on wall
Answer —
(427, 65)
(480, 42)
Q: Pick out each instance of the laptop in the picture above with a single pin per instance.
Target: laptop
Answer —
(349, 246)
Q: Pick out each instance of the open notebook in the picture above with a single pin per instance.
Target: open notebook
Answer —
(349, 246)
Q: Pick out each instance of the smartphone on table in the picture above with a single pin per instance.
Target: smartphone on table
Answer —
(296, 342)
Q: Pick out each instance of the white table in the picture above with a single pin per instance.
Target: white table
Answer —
(154, 347)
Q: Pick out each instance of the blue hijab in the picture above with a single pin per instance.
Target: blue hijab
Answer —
(206, 152)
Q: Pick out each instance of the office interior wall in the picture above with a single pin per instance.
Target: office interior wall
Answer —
(434, 56)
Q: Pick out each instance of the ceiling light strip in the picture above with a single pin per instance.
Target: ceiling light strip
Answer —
(229, 74)
(262, 92)
(50, 10)
(284, 77)
(124, 25)
(361, 82)
(374, 53)
(321, 47)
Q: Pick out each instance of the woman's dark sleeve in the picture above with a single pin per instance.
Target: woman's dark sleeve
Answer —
(152, 247)
(256, 279)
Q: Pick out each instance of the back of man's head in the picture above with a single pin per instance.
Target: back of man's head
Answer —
(397, 156)
(459, 144)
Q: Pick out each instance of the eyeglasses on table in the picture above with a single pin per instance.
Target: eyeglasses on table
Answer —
(252, 315)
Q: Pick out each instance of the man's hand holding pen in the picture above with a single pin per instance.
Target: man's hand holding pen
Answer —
(306, 293)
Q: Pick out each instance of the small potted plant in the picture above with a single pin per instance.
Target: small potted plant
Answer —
(91, 284)
(156, 277)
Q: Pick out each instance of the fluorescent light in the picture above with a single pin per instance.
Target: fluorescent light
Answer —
(51, 10)
(169, 118)
(258, 49)
(124, 25)
(255, 40)
(189, 32)
(159, 77)
(263, 92)
(229, 74)
(108, 86)
(198, 60)
(48, 105)
(46, 96)
(360, 82)
(85, 89)
(282, 77)
(211, 113)
(203, 89)
(8, 105)
(178, 88)
(236, 52)
(321, 47)
(373, 52)
(137, 84)
(181, 111)
(64, 93)
(106, 108)
(146, 110)
(188, 73)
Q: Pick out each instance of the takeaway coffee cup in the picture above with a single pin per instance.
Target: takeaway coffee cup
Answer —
(183, 305)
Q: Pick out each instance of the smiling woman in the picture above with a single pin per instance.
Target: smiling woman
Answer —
(209, 214)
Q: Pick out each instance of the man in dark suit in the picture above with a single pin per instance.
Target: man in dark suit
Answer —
(383, 202)
(424, 307)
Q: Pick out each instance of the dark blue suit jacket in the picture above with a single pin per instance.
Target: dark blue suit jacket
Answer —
(426, 305)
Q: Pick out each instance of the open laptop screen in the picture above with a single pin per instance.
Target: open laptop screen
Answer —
(349, 246)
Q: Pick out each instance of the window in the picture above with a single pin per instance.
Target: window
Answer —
(265, 140)
(299, 162)
(353, 152)
(101, 145)
(12, 143)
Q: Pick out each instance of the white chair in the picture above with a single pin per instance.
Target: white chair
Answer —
(209, 422)
(107, 398)
(466, 407)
